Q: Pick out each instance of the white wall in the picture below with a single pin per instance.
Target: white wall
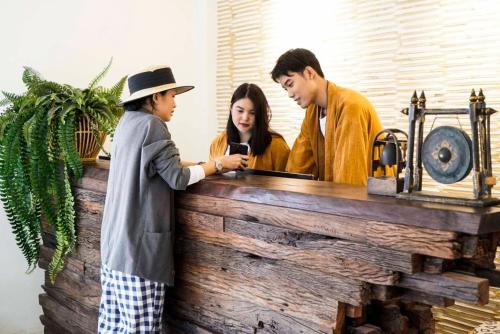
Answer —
(71, 41)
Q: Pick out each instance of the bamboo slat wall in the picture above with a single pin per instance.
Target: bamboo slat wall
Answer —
(274, 255)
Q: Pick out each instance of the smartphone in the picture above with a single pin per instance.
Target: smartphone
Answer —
(235, 148)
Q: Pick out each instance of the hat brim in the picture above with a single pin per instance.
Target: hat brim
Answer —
(150, 91)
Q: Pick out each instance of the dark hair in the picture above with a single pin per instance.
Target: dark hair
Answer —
(139, 103)
(295, 60)
(261, 134)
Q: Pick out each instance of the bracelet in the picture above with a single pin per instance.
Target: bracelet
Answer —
(201, 162)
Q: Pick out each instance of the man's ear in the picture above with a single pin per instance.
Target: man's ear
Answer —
(309, 72)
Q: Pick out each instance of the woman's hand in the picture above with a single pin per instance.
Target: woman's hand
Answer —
(234, 161)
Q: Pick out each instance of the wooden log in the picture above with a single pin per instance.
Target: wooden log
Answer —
(385, 258)
(393, 236)
(424, 298)
(272, 273)
(63, 316)
(300, 304)
(384, 293)
(350, 201)
(94, 179)
(309, 259)
(225, 313)
(354, 311)
(178, 326)
(493, 276)
(79, 288)
(87, 315)
(51, 326)
(449, 284)
(480, 251)
(434, 265)
(420, 316)
(390, 319)
(365, 329)
(88, 200)
(76, 263)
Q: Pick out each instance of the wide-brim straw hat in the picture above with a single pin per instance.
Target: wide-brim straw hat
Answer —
(152, 80)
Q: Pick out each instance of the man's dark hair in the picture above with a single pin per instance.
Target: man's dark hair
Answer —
(295, 60)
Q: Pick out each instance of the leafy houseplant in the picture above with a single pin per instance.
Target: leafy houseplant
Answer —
(38, 156)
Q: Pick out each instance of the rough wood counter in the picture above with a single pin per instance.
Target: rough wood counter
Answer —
(272, 255)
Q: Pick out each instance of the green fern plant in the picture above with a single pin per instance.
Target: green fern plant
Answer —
(38, 157)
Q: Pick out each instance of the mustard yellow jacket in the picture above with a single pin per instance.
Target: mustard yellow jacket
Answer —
(274, 157)
(344, 155)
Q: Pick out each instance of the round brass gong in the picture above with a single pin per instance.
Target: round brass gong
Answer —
(447, 154)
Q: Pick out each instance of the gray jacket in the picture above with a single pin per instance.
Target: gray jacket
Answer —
(137, 230)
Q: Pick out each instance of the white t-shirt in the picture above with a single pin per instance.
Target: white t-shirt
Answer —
(322, 125)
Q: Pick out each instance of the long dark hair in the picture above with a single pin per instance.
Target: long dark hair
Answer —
(261, 134)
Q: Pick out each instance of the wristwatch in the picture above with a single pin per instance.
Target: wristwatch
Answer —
(218, 165)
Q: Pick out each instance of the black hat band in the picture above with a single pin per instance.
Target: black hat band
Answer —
(159, 77)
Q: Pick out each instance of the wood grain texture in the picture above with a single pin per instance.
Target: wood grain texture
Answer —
(398, 237)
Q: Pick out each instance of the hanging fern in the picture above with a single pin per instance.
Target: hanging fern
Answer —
(38, 156)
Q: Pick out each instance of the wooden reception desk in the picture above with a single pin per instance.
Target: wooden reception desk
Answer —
(260, 254)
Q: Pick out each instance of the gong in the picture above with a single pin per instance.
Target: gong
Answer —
(447, 154)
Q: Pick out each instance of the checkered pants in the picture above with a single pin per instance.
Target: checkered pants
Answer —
(130, 304)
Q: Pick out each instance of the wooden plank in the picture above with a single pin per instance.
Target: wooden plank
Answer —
(88, 200)
(343, 200)
(385, 258)
(493, 276)
(271, 273)
(384, 293)
(227, 313)
(63, 316)
(87, 316)
(178, 326)
(352, 311)
(296, 304)
(449, 284)
(51, 326)
(81, 289)
(365, 329)
(352, 201)
(393, 236)
(424, 298)
(434, 265)
(309, 259)
(201, 220)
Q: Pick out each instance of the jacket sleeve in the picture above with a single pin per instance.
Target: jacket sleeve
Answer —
(353, 138)
(280, 154)
(161, 156)
(301, 159)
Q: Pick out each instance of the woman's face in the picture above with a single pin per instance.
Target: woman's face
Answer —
(243, 115)
(164, 105)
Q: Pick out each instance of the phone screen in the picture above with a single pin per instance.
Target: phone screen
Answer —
(235, 148)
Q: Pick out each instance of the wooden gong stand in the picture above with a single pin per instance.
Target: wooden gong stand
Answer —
(482, 177)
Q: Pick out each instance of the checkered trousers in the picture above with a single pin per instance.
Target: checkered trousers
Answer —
(130, 304)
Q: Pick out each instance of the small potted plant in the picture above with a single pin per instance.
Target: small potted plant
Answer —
(39, 132)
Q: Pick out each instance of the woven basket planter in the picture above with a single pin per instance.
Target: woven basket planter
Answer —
(87, 144)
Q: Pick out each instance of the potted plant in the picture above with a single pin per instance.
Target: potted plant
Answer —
(38, 156)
